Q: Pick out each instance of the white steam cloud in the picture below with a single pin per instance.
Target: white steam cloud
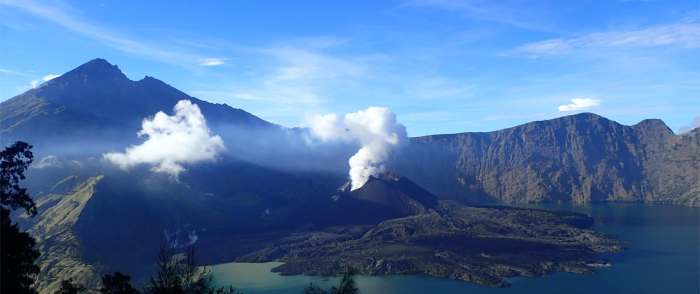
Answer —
(579, 104)
(171, 141)
(375, 129)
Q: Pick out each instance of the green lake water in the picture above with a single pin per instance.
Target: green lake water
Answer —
(663, 257)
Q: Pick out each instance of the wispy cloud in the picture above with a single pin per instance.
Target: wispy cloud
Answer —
(35, 83)
(686, 35)
(299, 76)
(212, 61)
(502, 12)
(290, 81)
(11, 72)
(578, 104)
(69, 21)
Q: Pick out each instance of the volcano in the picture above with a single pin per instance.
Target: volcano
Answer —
(394, 192)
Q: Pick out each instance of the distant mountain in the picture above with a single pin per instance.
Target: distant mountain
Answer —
(96, 101)
(580, 158)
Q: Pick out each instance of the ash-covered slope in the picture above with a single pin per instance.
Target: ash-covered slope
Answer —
(579, 158)
(396, 193)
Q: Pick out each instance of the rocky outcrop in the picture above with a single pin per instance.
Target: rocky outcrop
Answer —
(580, 158)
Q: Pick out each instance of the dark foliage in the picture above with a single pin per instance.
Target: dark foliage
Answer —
(313, 289)
(345, 286)
(178, 274)
(117, 283)
(17, 248)
(69, 287)
(347, 283)
(14, 160)
(18, 256)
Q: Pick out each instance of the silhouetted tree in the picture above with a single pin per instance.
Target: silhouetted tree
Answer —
(69, 287)
(117, 283)
(346, 285)
(17, 248)
(313, 289)
(14, 160)
(178, 274)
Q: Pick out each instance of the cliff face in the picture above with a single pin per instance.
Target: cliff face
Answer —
(580, 158)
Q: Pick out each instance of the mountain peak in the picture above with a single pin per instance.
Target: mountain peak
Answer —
(653, 126)
(397, 192)
(97, 68)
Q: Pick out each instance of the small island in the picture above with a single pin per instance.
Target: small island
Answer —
(478, 244)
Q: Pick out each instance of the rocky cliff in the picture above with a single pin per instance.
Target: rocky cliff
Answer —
(580, 158)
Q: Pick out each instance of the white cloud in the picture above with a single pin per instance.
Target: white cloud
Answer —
(49, 77)
(693, 125)
(578, 104)
(212, 61)
(686, 35)
(171, 141)
(375, 129)
(35, 83)
(328, 127)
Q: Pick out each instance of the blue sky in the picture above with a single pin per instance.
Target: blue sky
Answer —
(441, 66)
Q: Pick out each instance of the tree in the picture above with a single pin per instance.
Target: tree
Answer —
(178, 274)
(117, 283)
(69, 287)
(18, 256)
(347, 283)
(17, 248)
(14, 160)
(345, 286)
(313, 289)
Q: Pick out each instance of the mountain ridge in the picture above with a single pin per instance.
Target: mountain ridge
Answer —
(579, 158)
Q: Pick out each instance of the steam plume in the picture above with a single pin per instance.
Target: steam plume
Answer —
(171, 141)
(375, 129)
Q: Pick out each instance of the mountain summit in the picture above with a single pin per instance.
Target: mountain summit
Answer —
(98, 69)
(96, 101)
